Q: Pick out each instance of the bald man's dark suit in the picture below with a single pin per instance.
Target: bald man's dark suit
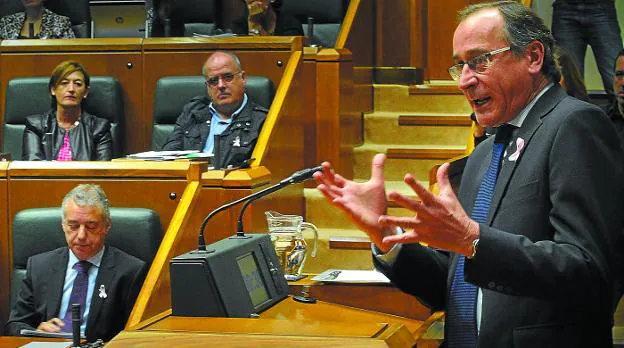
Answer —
(39, 298)
(545, 258)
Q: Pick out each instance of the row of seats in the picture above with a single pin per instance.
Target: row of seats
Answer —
(202, 16)
(105, 100)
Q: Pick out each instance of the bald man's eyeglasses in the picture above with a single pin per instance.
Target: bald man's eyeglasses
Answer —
(478, 64)
(213, 81)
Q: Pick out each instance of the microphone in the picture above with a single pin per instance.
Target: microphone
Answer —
(31, 30)
(295, 178)
(167, 27)
(310, 31)
(75, 310)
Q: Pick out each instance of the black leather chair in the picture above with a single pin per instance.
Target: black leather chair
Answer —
(77, 10)
(27, 96)
(136, 231)
(186, 17)
(172, 92)
(200, 16)
(8, 7)
(327, 18)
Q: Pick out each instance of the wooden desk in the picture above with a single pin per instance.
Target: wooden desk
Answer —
(289, 323)
(194, 339)
(383, 298)
(14, 341)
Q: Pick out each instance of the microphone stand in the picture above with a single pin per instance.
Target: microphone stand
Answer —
(297, 177)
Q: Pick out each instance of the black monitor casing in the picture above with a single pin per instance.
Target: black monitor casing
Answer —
(211, 284)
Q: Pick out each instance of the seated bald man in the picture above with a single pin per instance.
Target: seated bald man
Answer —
(103, 279)
(226, 122)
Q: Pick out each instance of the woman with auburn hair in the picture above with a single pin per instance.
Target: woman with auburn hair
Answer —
(36, 22)
(66, 132)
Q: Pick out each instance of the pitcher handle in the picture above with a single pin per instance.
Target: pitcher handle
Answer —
(313, 228)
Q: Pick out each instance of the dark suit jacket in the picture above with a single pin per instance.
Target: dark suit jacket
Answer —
(39, 298)
(232, 147)
(91, 140)
(545, 257)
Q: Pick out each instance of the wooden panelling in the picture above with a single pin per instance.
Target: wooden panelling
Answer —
(119, 58)
(334, 118)
(418, 29)
(441, 23)
(394, 20)
(357, 34)
(4, 242)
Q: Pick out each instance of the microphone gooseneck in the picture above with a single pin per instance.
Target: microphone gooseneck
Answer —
(295, 178)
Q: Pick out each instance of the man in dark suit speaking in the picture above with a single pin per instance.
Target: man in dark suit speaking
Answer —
(524, 256)
(104, 280)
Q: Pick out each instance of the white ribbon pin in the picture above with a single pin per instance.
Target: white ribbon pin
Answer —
(519, 146)
(236, 142)
(102, 291)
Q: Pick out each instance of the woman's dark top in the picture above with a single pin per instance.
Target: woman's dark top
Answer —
(285, 25)
(90, 140)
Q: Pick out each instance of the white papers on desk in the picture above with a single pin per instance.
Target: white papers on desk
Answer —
(37, 333)
(215, 35)
(352, 276)
(36, 344)
(162, 155)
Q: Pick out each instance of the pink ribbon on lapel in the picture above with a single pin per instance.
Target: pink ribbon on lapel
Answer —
(519, 146)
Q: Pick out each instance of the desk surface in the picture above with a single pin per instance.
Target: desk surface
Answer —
(192, 339)
(287, 321)
(14, 341)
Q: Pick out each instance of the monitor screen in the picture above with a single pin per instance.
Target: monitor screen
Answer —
(253, 279)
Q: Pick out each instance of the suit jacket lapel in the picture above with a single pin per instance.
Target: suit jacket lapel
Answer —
(105, 277)
(531, 123)
(55, 283)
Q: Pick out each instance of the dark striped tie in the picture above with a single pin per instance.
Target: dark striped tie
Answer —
(78, 294)
(461, 322)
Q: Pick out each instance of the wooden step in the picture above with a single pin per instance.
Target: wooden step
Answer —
(410, 129)
(430, 120)
(393, 98)
(449, 89)
(322, 214)
(407, 153)
(415, 159)
(326, 257)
